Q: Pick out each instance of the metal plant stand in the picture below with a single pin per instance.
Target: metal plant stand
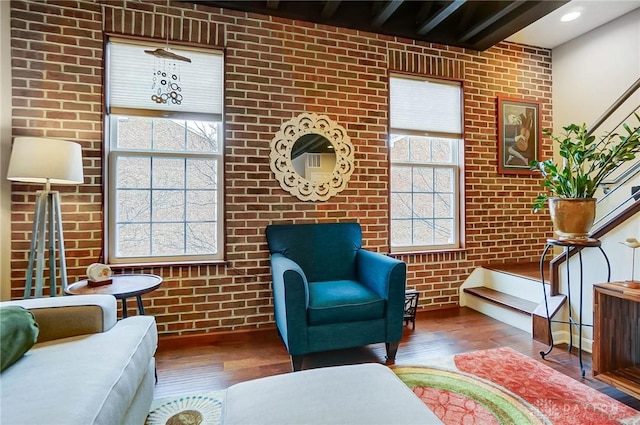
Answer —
(568, 245)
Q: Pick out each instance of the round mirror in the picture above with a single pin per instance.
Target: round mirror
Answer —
(312, 157)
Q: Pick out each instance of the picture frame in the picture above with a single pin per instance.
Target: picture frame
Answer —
(518, 135)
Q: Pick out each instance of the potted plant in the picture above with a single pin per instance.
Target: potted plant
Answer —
(586, 162)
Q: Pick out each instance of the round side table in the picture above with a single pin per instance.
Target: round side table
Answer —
(122, 287)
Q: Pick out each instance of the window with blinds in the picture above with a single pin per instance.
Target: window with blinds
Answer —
(165, 153)
(425, 147)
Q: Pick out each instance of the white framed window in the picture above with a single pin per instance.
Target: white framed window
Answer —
(425, 146)
(164, 156)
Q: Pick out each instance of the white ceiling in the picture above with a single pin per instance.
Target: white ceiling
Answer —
(549, 32)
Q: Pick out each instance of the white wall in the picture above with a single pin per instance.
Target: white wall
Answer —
(5, 148)
(589, 73)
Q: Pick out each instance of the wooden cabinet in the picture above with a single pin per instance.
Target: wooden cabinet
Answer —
(616, 345)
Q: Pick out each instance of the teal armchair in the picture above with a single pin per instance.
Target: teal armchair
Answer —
(329, 293)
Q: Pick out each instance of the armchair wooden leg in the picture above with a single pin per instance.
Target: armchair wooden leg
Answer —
(392, 349)
(296, 363)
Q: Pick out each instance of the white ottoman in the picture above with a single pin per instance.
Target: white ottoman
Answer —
(359, 394)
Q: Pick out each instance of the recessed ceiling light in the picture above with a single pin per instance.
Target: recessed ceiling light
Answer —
(571, 16)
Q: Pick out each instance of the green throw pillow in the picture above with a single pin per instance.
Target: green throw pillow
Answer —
(18, 333)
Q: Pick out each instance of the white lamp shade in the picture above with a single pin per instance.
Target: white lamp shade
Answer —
(40, 160)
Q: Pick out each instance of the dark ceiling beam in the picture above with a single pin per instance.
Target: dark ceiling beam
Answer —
(430, 24)
(329, 8)
(273, 4)
(386, 12)
(481, 26)
(425, 11)
(537, 10)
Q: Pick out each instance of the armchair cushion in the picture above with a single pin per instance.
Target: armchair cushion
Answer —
(342, 301)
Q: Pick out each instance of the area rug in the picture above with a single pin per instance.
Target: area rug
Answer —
(502, 386)
(487, 387)
(192, 409)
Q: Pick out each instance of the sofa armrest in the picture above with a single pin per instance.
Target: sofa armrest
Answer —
(290, 301)
(66, 316)
(387, 277)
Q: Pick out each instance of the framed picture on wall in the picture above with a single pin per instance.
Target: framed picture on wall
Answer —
(518, 135)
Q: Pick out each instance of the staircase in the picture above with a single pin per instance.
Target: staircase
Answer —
(504, 296)
(512, 293)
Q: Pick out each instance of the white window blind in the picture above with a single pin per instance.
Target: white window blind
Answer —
(140, 81)
(423, 105)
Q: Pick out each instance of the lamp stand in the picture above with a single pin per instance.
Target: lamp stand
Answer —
(47, 213)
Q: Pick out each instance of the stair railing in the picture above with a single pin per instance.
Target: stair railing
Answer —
(613, 108)
(609, 220)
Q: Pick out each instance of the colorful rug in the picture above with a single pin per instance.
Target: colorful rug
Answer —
(502, 386)
(497, 386)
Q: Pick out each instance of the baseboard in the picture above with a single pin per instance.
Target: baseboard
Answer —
(562, 337)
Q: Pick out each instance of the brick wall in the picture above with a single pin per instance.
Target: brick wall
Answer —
(275, 69)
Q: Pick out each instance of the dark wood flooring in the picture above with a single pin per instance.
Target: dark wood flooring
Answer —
(218, 361)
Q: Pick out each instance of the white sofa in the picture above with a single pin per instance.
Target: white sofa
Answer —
(86, 367)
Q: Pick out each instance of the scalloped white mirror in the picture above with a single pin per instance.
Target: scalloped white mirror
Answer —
(312, 157)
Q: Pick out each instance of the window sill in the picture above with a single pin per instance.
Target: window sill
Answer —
(118, 266)
(426, 252)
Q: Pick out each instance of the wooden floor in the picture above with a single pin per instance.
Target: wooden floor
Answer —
(199, 365)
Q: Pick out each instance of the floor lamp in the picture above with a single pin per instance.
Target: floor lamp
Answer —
(48, 161)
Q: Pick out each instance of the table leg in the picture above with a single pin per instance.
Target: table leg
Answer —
(546, 302)
(125, 313)
(140, 306)
(580, 318)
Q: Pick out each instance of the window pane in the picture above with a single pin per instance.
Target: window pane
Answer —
(133, 206)
(168, 173)
(134, 133)
(443, 231)
(202, 173)
(201, 238)
(443, 206)
(442, 150)
(202, 136)
(133, 240)
(401, 179)
(201, 205)
(422, 179)
(401, 205)
(444, 180)
(168, 239)
(168, 205)
(168, 135)
(399, 148)
(423, 232)
(420, 149)
(423, 205)
(401, 232)
(133, 172)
